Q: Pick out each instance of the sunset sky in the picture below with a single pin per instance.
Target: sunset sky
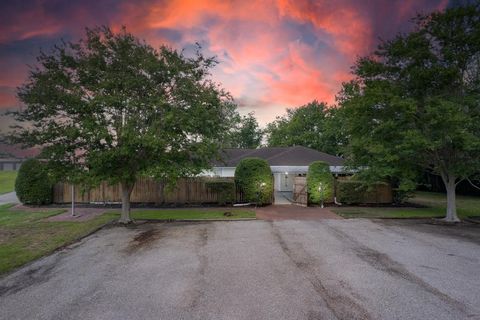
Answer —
(273, 54)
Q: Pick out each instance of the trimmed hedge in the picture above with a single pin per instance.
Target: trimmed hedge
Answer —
(319, 175)
(225, 189)
(254, 177)
(33, 185)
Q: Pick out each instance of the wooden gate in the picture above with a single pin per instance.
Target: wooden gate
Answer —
(300, 192)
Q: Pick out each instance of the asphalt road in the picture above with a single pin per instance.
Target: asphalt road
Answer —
(328, 269)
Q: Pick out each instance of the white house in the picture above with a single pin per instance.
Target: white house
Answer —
(285, 162)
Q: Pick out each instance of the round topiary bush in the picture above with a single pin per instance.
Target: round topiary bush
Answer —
(33, 185)
(254, 177)
(320, 183)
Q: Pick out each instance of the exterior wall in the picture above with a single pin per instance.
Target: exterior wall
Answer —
(10, 165)
(7, 166)
(226, 172)
(284, 182)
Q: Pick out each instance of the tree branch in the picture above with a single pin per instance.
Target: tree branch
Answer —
(473, 185)
(459, 180)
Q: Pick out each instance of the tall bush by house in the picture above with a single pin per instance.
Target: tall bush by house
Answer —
(254, 177)
(33, 185)
(320, 183)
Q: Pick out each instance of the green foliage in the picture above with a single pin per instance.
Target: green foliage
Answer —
(320, 182)
(111, 108)
(225, 189)
(404, 191)
(33, 185)
(351, 192)
(245, 133)
(413, 105)
(254, 177)
(314, 126)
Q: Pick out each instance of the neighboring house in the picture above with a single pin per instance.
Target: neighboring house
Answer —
(10, 164)
(285, 162)
(12, 156)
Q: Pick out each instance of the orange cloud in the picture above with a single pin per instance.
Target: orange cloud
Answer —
(274, 53)
(297, 81)
(350, 31)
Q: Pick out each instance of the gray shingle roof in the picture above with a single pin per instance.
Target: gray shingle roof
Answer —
(278, 156)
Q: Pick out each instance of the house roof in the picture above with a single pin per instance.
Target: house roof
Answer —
(278, 156)
(17, 152)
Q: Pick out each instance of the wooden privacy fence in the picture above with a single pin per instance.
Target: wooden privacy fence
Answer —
(300, 192)
(380, 193)
(146, 190)
(356, 192)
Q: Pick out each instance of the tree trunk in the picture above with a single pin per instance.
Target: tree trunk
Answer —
(126, 192)
(450, 186)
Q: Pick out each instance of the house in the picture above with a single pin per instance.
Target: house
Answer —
(12, 156)
(285, 162)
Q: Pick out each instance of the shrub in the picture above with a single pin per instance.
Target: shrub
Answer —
(401, 196)
(225, 189)
(320, 182)
(33, 185)
(403, 191)
(350, 192)
(254, 178)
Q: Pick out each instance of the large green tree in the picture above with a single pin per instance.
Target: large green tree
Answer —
(111, 107)
(245, 132)
(415, 103)
(313, 125)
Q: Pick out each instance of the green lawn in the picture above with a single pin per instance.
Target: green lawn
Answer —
(190, 214)
(25, 236)
(7, 181)
(435, 202)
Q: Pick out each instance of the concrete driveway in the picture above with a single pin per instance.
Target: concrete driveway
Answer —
(322, 269)
(10, 197)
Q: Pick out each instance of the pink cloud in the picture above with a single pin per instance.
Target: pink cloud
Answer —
(350, 31)
(274, 54)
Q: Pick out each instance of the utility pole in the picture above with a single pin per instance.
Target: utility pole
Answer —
(73, 189)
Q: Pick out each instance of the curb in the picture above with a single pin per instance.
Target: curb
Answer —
(472, 220)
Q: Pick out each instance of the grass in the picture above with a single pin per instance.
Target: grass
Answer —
(435, 206)
(26, 236)
(7, 181)
(191, 214)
